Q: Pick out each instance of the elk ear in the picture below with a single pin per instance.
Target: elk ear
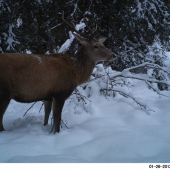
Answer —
(81, 40)
(102, 40)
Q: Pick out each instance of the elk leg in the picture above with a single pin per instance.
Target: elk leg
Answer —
(3, 106)
(47, 105)
(58, 104)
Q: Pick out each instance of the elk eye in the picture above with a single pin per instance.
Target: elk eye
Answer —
(96, 46)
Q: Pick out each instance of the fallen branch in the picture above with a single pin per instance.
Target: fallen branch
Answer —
(128, 95)
(150, 65)
(127, 74)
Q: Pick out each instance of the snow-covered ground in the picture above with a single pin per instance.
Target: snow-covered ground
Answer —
(115, 130)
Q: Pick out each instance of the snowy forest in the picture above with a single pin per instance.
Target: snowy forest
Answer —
(121, 114)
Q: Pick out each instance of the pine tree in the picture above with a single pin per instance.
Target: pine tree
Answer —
(128, 25)
(8, 40)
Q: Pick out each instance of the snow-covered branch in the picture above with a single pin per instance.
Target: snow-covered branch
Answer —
(69, 41)
(110, 81)
(142, 105)
(127, 74)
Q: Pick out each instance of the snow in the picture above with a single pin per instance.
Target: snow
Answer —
(38, 58)
(167, 62)
(28, 51)
(100, 130)
(19, 22)
(115, 130)
(10, 38)
(68, 42)
(168, 55)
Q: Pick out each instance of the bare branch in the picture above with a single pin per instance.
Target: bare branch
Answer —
(154, 89)
(142, 105)
(127, 74)
(151, 65)
(41, 107)
(29, 108)
(122, 54)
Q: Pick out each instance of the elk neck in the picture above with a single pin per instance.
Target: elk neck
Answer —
(83, 65)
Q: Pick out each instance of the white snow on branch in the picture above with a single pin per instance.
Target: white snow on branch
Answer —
(127, 74)
(68, 42)
(10, 38)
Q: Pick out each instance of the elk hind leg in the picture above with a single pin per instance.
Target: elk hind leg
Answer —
(3, 106)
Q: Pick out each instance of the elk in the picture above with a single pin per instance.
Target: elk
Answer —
(51, 78)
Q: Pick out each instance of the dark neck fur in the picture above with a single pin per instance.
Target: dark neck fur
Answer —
(84, 65)
(81, 58)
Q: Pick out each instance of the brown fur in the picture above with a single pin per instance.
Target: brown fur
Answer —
(20, 78)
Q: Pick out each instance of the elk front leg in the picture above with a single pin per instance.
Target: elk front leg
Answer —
(3, 106)
(58, 104)
(47, 105)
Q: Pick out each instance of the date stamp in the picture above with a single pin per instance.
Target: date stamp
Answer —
(165, 166)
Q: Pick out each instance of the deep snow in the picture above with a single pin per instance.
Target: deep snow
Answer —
(115, 130)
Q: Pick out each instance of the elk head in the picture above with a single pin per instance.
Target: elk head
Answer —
(94, 47)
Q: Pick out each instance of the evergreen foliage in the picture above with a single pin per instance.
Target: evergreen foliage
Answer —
(36, 25)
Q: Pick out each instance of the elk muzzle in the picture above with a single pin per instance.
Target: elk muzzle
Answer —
(111, 57)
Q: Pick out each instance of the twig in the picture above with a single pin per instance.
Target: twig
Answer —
(127, 74)
(156, 90)
(121, 55)
(64, 124)
(41, 107)
(81, 96)
(29, 108)
(132, 97)
(52, 124)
